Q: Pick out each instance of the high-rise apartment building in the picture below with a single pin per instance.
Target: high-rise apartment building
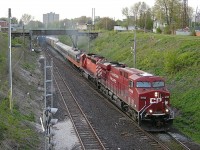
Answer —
(50, 17)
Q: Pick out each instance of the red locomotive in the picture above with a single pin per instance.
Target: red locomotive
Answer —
(141, 95)
(88, 65)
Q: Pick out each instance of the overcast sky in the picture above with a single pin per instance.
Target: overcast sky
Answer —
(72, 8)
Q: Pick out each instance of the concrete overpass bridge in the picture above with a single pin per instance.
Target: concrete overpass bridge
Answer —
(73, 34)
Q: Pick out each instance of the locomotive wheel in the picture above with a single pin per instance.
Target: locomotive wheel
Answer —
(135, 116)
(124, 106)
(98, 85)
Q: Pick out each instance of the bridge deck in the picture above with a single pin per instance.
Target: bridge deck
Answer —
(55, 32)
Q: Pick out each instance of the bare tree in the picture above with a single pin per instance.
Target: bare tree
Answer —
(125, 12)
(134, 10)
(26, 18)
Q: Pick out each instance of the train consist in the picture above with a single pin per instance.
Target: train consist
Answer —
(141, 95)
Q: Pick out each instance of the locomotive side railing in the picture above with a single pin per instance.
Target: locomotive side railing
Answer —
(143, 109)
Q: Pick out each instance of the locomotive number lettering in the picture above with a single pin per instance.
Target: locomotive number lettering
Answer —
(155, 100)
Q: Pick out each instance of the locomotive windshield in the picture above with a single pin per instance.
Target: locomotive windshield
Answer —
(146, 84)
(141, 84)
(157, 84)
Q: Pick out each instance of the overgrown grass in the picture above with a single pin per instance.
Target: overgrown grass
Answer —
(176, 58)
(3, 54)
(14, 126)
(28, 66)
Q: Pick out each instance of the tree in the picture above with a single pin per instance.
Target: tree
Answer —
(83, 20)
(169, 12)
(125, 12)
(145, 13)
(54, 25)
(14, 20)
(26, 18)
(4, 19)
(134, 10)
(119, 22)
(106, 23)
(35, 25)
(142, 15)
(65, 24)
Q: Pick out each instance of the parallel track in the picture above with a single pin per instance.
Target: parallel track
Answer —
(171, 142)
(84, 130)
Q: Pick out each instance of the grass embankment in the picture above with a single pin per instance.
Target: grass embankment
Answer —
(177, 58)
(15, 129)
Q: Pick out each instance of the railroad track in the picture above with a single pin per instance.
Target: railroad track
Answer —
(152, 139)
(87, 136)
(170, 141)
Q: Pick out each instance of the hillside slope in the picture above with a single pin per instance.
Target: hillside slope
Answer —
(18, 129)
(177, 58)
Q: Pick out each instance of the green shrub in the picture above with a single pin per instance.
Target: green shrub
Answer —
(158, 30)
(193, 33)
(167, 30)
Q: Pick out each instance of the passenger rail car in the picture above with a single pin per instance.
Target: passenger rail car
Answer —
(141, 95)
(70, 53)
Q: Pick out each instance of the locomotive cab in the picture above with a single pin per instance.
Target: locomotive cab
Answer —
(151, 101)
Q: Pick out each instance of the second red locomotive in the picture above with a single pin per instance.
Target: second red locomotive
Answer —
(141, 95)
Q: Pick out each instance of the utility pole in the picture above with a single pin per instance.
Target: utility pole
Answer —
(93, 19)
(195, 18)
(10, 60)
(134, 48)
(185, 13)
(88, 28)
(23, 35)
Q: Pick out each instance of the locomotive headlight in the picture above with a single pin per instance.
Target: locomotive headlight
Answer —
(166, 96)
(167, 110)
(150, 111)
(156, 94)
